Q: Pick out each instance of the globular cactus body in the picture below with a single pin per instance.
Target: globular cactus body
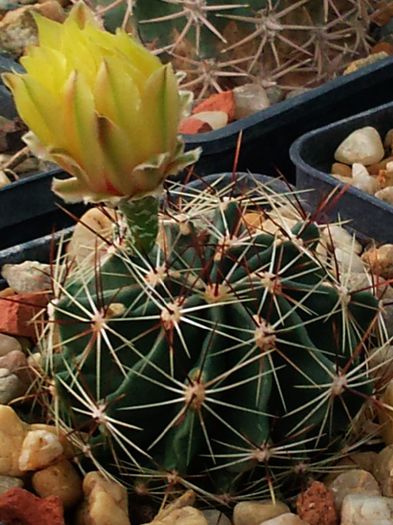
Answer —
(225, 351)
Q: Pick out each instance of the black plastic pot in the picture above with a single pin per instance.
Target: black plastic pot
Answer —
(313, 155)
(40, 248)
(267, 135)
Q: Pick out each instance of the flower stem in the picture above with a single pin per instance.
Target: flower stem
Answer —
(142, 223)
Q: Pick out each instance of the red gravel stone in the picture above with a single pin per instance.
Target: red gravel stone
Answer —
(20, 507)
(17, 311)
(224, 101)
(191, 125)
(316, 505)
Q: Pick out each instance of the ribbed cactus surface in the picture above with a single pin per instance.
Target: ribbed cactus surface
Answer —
(226, 355)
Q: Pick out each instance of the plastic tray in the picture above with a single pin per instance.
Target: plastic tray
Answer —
(268, 134)
(313, 155)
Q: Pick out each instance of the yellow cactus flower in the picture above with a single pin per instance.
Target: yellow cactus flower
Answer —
(101, 106)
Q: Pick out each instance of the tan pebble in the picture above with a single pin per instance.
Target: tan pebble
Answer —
(39, 449)
(363, 180)
(12, 434)
(341, 169)
(106, 501)
(249, 98)
(61, 480)
(344, 180)
(362, 62)
(380, 260)
(254, 512)
(215, 517)
(16, 362)
(353, 482)
(364, 460)
(388, 140)
(374, 169)
(363, 146)
(386, 194)
(285, 519)
(183, 516)
(85, 243)
(215, 119)
(8, 344)
(316, 505)
(383, 471)
(69, 451)
(385, 414)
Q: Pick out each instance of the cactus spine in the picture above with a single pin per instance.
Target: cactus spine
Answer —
(226, 358)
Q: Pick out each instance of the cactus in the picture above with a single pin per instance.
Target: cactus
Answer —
(228, 358)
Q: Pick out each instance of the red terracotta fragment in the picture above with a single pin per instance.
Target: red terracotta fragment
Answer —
(20, 507)
(316, 505)
(17, 312)
(191, 126)
(224, 101)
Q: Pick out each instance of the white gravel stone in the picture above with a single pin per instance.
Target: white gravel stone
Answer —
(285, 519)
(249, 99)
(363, 180)
(354, 481)
(386, 194)
(360, 509)
(363, 145)
(29, 276)
(39, 449)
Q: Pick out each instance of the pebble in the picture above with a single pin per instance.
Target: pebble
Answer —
(184, 516)
(255, 512)
(362, 146)
(341, 169)
(275, 94)
(383, 471)
(85, 244)
(380, 260)
(106, 502)
(386, 194)
(335, 236)
(8, 344)
(19, 30)
(224, 101)
(351, 482)
(362, 62)
(285, 519)
(385, 414)
(16, 362)
(215, 517)
(9, 482)
(363, 180)
(388, 140)
(29, 276)
(61, 480)
(215, 119)
(39, 449)
(20, 507)
(10, 387)
(316, 505)
(349, 263)
(12, 434)
(249, 99)
(360, 509)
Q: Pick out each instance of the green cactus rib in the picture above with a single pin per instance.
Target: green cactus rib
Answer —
(205, 355)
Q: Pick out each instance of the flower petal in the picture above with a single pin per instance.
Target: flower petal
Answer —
(80, 128)
(36, 106)
(160, 110)
(70, 190)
